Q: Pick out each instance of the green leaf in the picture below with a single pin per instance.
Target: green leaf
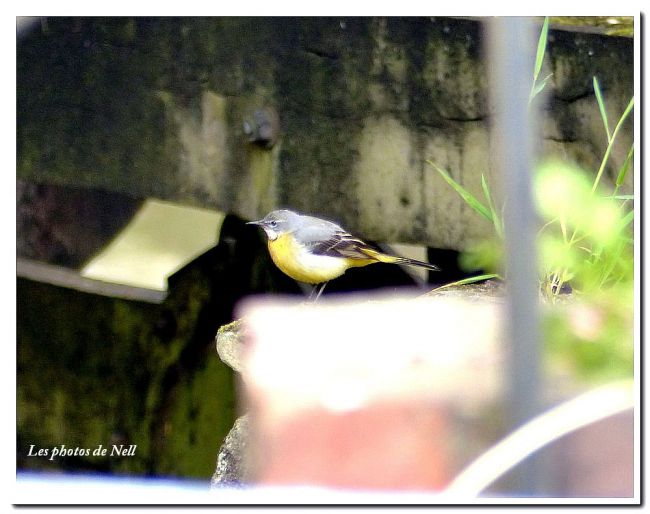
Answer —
(610, 265)
(564, 230)
(627, 219)
(498, 226)
(538, 88)
(470, 280)
(621, 197)
(601, 106)
(541, 49)
(626, 165)
(468, 197)
(623, 117)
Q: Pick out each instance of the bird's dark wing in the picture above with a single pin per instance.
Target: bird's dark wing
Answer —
(323, 237)
(326, 238)
(342, 244)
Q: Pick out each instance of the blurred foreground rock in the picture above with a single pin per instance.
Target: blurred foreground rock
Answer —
(304, 370)
(403, 395)
(230, 344)
(232, 469)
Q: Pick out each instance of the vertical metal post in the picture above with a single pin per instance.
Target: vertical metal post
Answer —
(511, 61)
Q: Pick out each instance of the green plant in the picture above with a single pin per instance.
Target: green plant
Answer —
(538, 87)
(487, 211)
(586, 237)
(595, 247)
(593, 239)
(585, 241)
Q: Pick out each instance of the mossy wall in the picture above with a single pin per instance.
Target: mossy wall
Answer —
(155, 107)
(94, 370)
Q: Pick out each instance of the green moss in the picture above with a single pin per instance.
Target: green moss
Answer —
(577, 58)
(94, 370)
(76, 381)
(85, 113)
(610, 25)
(196, 424)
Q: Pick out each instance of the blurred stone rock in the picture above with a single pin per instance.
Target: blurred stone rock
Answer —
(230, 344)
(232, 468)
(373, 406)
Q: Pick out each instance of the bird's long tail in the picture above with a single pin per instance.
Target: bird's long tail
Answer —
(393, 259)
(413, 262)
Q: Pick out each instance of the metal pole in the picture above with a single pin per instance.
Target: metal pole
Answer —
(511, 59)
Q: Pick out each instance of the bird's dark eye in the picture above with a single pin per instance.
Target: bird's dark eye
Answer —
(273, 223)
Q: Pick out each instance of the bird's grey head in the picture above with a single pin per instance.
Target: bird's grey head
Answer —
(279, 222)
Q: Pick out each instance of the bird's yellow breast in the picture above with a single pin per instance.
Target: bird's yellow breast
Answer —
(297, 262)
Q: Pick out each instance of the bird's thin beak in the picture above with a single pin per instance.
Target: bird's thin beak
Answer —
(258, 222)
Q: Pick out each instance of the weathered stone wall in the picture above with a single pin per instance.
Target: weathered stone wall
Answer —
(155, 107)
(94, 370)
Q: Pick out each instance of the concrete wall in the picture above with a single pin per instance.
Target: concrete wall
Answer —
(155, 107)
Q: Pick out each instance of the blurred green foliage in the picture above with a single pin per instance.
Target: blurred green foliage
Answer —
(587, 238)
(585, 246)
(587, 241)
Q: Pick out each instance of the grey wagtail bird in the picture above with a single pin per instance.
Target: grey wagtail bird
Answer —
(315, 251)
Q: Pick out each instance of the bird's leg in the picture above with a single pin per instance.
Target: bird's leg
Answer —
(320, 288)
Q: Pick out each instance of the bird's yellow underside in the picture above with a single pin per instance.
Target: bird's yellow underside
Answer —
(299, 264)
